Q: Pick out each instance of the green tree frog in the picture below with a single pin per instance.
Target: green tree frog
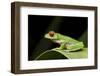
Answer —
(66, 42)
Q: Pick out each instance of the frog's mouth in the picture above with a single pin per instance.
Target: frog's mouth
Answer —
(58, 41)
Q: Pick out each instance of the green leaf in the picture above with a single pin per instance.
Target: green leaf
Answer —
(63, 54)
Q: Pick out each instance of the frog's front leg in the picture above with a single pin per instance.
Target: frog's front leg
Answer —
(76, 46)
(63, 46)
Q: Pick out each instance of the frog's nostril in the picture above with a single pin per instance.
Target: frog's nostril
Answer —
(51, 33)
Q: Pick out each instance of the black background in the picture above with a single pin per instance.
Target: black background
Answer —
(39, 25)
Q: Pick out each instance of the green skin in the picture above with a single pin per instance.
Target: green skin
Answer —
(66, 43)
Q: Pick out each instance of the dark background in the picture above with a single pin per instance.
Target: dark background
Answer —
(39, 25)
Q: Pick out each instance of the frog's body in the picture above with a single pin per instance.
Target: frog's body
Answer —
(65, 42)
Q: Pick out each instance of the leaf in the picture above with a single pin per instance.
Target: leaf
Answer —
(76, 54)
(63, 54)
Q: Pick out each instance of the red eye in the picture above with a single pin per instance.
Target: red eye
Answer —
(51, 33)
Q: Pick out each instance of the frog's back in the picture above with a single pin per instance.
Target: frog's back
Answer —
(66, 38)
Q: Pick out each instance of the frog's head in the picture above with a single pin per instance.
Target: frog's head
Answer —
(51, 35)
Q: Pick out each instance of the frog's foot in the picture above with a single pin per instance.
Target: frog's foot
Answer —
(56, 49)
(59, 49)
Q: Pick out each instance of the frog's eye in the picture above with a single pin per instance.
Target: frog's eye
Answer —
(51, 33)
